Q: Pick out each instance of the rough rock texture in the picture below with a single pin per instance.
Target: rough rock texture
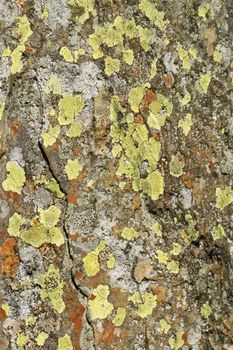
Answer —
(116, 190)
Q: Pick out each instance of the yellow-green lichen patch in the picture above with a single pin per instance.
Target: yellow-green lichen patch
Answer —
(40, 339)
(64, 343)
(184, 57)
(165, 327)
(6, 52)
(78, 53)
(75, 130)
(146, 38)
(51, 185)
(120, 316)
(15, 222)
(111, 261)
(22, 340)
(52, 288)
(204, 82)
(162, 257)
(2, 106)
(49, 217)
(53, 85)
(66, 53)
(157, 229)
(50, 137)
(69, 107)
(91, 260)
(15, 178)
(129, 233)
(135, 96)
(176, 166)
(217, 56)
(116, 150)
(85, 8)
(218, 232)
(186, 123)
(6, 308)
(153, 68)
(203, 10)
(173, 267)
(157, 17)
(112, 65)
(177, 342)
(192, 233)
(100, 307)
(30, 321)
(146, 302)
(130, 28)
(39, 235)
(128, 56)
(73, 168)
(160, 109)
(206, 310)
(186, 99)
(153, 185)
(224, 197)
(44, 14)
(176, 249)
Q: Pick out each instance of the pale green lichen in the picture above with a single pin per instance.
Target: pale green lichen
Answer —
(6, 52)
(129, 233)
(85, 7)
(186, 123)
(15, 178)
(177, 342)
(54, 86)
(91, 260)
(176, 166)
(100, 307)
(49, 217)
(128, 56)
(159, 109)
(203, 10)
(224, 197)
(75, 130)
(157, 17)
(111, 261)
(40, 339)
(153, 68)
(39, 235)
(173, 267)
(204, 82)
(157, 229)
(153, 185)
(112, 65)
(192, 233)
(146, 302)
(50, 184)
(64, 343)
(186, 99)
(217, 56)
(146, 38)
(15, 222)
(22, 340)
(206, 310)
(120, 316)
(176, 250)
(135, 96)
(162, 257)
(52, 288)
(66, 53)
(218, 232)
(50, 137)
(69, 107)
(73, 168)
(165, 327)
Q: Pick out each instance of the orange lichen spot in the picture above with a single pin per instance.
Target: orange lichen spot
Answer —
(2, 316)
(10, 260)
(149, 97)
(72, 198)
(138, 119)
(15, 127)
(160, 292)
(168, 80)
(136, 203)
(108, 334)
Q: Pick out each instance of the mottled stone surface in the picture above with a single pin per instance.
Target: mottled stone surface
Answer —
(116, 190)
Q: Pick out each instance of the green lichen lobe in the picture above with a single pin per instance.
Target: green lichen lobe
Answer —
(15, 178)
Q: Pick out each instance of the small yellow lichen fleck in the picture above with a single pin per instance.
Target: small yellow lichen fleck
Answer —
(176, 343)
(31, 321)
(52, 288)
(44, 14)
(22, 340)
(50, 137)
(120, 317)
(40, 339)
(69, 107)
(91, 260)
(15, 178)
(165, 327)
(176, 167)
(111, 261)
(112, 65)
(176, 250)
(100, 307)
(64, 343)
(218, 232)
(203, 10)
(50, 216)
(78, 53)
(153, 68)
(53, 85)
(73, 169)
(157, 228)
(204, 82)
(135, 96)
(146, 302)
(173, 266)
(184, 57)
(15, 222)
(23, 30)
(153, 185)
(66, 54)
(159, 110)
(51, 185)
(6, 52)
(6, 308)
(152, 13)
(186, 123)
(217, 54)
(224, 197)
(206, 310)
(186, 99)
(129, 233)
(146, 38)
(85, 7)
(128, 56)
(75, 130)
(130, 28)
(162, 257)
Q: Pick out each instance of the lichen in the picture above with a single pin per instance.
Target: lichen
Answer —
(217, 56)
(39, 235)
(73, 168)
(177, 342)
(15, 222)
(15, 178)
(157, 17)
(86, 7)
(54, 86)
(176, 249)
(22, 340)
(75, 130)
(111, 261)
(165, 327)
(206, 310)
(91, 260)
(49, 217)
(204, 82)
(153, 185)
(184, 57)
(129, 233)
(112, 65)
(173, 267)
(128, 56)
(52, 288)
(120, 316)
(186, 123)
(135, 96)
(40, 339)
(160, 109)
(69, 107)
(66, 54)
(50, 137)
(146, 302)
(203, 10)
(157, 229)
(50, 184)
(64, 343)
(224, 197)
(186, 99)
(100, 307)
(218, 232)
(162, 257)
(176, 166)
